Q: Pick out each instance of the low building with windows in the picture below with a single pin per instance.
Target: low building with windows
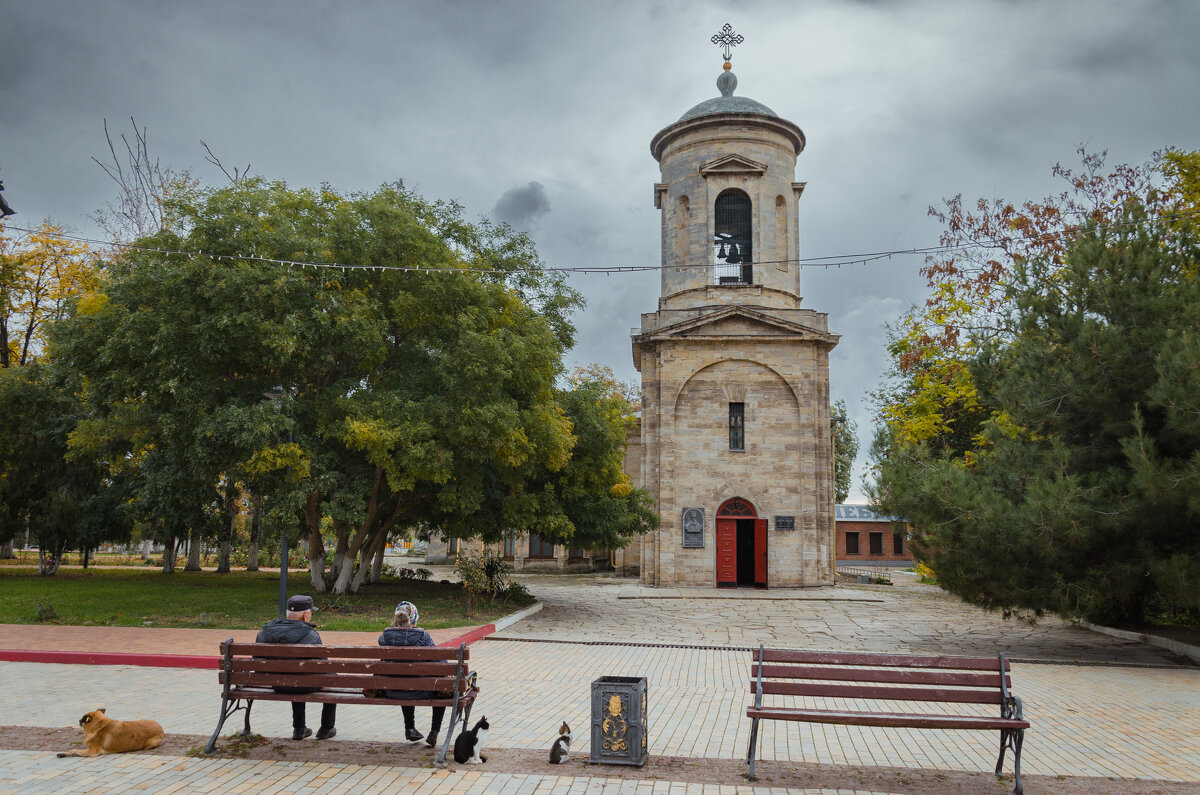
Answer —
(524, 553)
(866, 538)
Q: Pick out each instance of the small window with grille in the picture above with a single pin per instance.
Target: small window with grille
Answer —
(737, 426)
(898, 545)
(876, 543)
(851, 543)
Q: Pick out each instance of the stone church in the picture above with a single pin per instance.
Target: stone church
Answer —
(735, 441)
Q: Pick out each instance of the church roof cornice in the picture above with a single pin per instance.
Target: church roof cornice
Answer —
(693, 328)
(785, 128)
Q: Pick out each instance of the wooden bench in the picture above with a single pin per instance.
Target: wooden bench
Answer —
(249, 671)
(937, 681)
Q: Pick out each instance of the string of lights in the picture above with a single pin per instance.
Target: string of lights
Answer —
(835, 260)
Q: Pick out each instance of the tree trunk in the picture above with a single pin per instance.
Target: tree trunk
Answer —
(316, 562)
(232, 511)
(6, 550)
(339, 551)
(146, 546)
(49, 566)
(168, 561)
(364, 566)
(87, 555)
(345, 574)
(256, 503)
(195, 547)
(377, 565)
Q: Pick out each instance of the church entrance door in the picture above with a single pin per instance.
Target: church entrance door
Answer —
(741, 545)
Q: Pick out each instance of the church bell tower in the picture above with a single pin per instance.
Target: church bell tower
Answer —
(735, 442)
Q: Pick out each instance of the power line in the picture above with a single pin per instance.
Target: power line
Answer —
(836, 260)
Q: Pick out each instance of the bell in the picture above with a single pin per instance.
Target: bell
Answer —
(734, 257)
(724, 252)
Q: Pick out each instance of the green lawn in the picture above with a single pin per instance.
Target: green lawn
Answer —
(240, 600)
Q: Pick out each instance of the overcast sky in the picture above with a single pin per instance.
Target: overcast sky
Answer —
(541, 114)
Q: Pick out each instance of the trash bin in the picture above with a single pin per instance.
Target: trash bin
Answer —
(619, 720)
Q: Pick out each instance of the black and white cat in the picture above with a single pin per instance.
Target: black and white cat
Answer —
(468, 746)
(561, 750)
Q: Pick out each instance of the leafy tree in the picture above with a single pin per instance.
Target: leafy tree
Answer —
(626, 391)
(845, 450)
(1048, 456)
(409, 398)
(38, 276)
(62, 504)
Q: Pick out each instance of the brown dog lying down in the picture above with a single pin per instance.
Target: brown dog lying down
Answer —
(103, 735)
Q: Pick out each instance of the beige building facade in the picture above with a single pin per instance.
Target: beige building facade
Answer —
(735, 441)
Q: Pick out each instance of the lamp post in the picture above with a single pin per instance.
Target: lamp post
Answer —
(276, 394)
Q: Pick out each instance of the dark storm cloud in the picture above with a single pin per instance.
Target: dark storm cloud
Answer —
(519, 207)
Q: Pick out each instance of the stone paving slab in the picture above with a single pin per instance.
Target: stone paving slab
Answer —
(912, 620)
(23, 772)
(1087, 720)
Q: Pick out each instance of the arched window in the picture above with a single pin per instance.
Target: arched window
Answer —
(731, 238)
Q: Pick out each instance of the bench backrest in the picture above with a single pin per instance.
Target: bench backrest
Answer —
(967, 680)
(429, 668)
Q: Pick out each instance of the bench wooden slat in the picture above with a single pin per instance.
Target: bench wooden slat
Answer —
(907, 676)
(951, 695)
(366, 667)
(330, 652)
(439, 683)
(335, 696)
(886, 660)
(892, 719)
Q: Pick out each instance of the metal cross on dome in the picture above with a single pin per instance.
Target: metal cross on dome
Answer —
(727, 39)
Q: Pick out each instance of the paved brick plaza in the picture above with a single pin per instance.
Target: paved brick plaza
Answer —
(1128, 711)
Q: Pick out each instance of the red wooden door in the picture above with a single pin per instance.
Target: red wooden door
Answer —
(760, 553)
(726, 553)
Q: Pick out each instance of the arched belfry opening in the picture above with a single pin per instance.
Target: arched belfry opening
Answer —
(732, 238)
(741, 545)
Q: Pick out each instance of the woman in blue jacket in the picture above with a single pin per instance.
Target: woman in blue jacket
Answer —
(404, 632)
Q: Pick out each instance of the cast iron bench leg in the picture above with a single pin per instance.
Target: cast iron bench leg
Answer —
(753, 742)
(225, 713)
(1020, 733)
(246, 728)
(1011, 738)
(441, 757)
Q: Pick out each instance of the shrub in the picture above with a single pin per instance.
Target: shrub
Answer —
(925, 574)
(484, 575)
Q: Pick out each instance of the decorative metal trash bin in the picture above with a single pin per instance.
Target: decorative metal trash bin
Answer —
(619, 720)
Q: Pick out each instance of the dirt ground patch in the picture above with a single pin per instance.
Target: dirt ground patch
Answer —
(671, 768)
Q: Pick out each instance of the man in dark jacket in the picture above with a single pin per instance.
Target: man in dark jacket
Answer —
(298, 628)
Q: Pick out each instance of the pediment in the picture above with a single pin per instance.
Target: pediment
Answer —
(733, 164)
(740, 321)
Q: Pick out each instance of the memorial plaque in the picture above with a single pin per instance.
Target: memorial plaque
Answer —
(785, 523)
(693, 528)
